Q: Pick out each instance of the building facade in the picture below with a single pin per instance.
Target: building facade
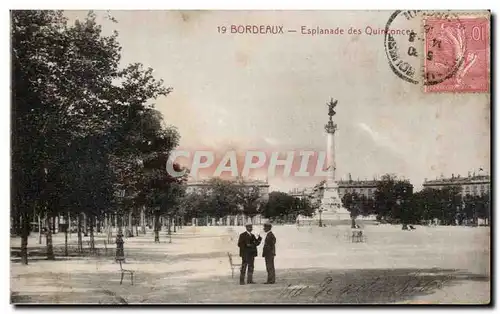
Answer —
(473, 185)
(363, 187)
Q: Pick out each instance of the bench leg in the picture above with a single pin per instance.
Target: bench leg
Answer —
(232, 272)
(121, 280)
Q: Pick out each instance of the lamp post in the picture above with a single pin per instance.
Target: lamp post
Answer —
(320, 222)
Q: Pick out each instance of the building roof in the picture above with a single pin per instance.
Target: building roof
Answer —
(238, 181)
(477, 179)
(357, 183)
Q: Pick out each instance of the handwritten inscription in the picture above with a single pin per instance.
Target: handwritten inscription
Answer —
(297, 290)
(377, 285)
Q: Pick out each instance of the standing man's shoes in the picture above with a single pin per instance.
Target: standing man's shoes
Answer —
(251, 282)
(270, 283)
(242, 283)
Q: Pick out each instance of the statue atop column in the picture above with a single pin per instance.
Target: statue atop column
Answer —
(331, 106)
(330, 127)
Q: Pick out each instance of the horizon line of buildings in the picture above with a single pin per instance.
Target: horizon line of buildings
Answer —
(473, 184)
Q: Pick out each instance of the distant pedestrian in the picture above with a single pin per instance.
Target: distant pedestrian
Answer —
(248, 243)
(269, 252)
(120, 253)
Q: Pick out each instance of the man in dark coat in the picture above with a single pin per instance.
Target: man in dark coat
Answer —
(269, 252)
(248, 243)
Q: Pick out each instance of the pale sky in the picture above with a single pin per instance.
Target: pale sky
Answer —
(270, 91)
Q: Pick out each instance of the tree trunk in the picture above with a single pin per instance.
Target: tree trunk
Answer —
(169, 221)
(66, 236)
(109, 233)
(120, 223)
(50, 248)
(92, 242)
(157, 226)
(39, 230)
(143, 220)
(69, 223)
(98, 224)
(85, 230)
(130, 231)
(15, 223)
(24, 239)
(79, 227)
(175, 223)
(53, 224)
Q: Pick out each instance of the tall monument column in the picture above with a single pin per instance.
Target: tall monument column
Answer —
(330, 129)
(331, 207)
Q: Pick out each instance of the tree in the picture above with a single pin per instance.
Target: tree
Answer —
(353, 203)
(162, 191)
(249, 197)
(385, 198)
(392, 199)
(484, 211)
(281, 206)
(195, 203)
(424, 205)
(403, 211)
(367, 206)
(67, 88)
(306, 207)
(224, 198)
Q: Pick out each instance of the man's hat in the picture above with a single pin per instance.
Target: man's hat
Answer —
(248, 224)
(268, 224)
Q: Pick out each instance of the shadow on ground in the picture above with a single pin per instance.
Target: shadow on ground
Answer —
(40, 254)
(293, 286)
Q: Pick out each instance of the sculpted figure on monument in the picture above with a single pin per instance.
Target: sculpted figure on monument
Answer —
(331, 106)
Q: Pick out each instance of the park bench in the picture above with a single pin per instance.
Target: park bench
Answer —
(232, 264)
(125, 271)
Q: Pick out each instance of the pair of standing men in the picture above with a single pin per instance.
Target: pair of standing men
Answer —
(248, 243)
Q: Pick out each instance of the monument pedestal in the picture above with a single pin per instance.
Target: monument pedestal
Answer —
(333, 213)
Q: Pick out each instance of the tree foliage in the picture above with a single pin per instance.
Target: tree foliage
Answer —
(82, 123)
(283, 207)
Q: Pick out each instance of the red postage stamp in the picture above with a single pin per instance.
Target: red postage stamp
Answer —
(457, 54)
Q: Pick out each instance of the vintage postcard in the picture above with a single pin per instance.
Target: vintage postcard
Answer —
(250, 157)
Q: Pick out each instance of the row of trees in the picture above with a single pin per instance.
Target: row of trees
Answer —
(394, 201)
(282, 207)
(220, 198)
(86, 139)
